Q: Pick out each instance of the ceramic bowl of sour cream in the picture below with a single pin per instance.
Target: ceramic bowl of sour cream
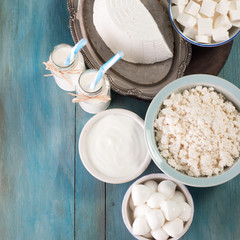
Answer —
(112, 146)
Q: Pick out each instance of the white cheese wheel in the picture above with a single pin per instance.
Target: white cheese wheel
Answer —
(128, 26)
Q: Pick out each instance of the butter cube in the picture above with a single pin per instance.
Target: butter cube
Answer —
(190, 32)
(220, 34)
(208, 8)
(203, 39)
(199, 15)
(186, 20)
(192, 8)
(234, 5)
(180, 2)
(234, 15)
(222, 21)
(236, 23)
(205, 26)
(176, 10)
(223, 7)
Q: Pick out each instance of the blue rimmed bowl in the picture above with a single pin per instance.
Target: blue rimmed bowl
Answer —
(233, 32)
(230, 91)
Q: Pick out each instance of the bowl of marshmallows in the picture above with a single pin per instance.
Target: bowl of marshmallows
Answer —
(206, 23)
(157, 207)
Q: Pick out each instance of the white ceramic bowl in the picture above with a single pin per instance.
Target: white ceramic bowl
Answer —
(230, 91)
(233, 32)
(90, 166)
(127, 213)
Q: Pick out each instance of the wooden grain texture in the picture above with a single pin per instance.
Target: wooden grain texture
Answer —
(90, 195)
(45, 191)
(207, 60)
(37, 125)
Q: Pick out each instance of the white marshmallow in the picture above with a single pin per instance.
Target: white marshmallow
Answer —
(190, 32)
(140, 211)
(220, 34)
(167, 187)
(208, 8)
(178, 197)
(176, 10)
(131, 205)
(155, 199)
(170, 209)
(186, 211)
(160, 234)
(180, 2)
(186, 20)
(152, 185)
(155, 219)
(140, 194)
(203, 39)
(222, 21)
(192, 8)
(174, 228)
(234, 15)
(148, 235)
(140, 226)
(205, 26)
(223, 7)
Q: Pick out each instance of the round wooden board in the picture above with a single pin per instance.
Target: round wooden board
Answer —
(208, 60)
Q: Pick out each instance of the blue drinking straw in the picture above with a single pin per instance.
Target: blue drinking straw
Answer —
(75, 50)
(105, 67)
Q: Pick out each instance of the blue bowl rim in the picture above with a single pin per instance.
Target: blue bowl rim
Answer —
(196, 79)
(192, 41)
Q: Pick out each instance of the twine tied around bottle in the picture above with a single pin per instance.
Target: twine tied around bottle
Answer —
(82, 97)
(51, 67)
(78, 97)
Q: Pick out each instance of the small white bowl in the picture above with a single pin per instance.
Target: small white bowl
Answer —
(90, 166)
(127, 213)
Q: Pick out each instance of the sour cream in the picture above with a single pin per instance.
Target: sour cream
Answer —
(114, 148)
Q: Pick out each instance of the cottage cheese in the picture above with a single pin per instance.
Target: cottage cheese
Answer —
(198, 132)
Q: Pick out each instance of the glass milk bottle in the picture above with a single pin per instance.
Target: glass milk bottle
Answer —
(97, 99)
(66, 77)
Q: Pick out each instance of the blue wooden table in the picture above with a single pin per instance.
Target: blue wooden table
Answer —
(45, 192)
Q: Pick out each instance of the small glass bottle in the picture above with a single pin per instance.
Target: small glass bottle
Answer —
(70, 72)
(95, 102)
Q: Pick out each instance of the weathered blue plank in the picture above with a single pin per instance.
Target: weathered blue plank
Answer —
(90, 195)
(115, 193)
(37, 125)
(39, 162)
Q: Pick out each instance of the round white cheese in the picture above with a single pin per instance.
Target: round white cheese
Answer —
(128, 26)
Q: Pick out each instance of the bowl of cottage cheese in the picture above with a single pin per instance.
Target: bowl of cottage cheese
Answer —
(192, 130)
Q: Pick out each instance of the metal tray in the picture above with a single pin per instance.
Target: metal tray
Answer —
(139, 80)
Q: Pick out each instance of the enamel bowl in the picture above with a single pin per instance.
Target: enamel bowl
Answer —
(230, 91)
(233, 32)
